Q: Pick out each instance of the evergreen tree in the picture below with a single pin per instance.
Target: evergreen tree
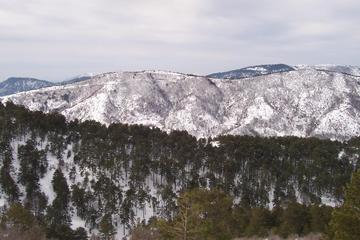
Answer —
(106, 228)
(79, 199)
(33, 165)
(295, 220)
(345, 222)
(202, 214)
(260, 223)
(58, 214)
(20, 217)
(80, 234)
(6, 180)
(320, 218)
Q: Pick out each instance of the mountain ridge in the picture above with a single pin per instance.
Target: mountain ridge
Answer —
(14, 85)
(303, 102)
(252, 71)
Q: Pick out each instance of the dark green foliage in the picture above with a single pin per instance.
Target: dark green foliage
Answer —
(345, 222)
(294, 220)
(60, 232)
(33, 165)
(58, 213)
(18, 216)
(80, 234)
(7, 182)
(79, 200)
(106, 228)
(202, 214)
(260, 222)
(142, 232)
(240, 220)
(19, 223)
(210, 214)
(320, 217)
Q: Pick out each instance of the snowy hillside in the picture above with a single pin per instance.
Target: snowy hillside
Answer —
(252, 71)
(305, 102)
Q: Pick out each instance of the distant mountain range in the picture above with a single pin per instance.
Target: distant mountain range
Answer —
(20, 84)
(14, 85)
(321, 101)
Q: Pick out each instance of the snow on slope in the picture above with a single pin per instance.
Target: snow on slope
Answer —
(305, 102)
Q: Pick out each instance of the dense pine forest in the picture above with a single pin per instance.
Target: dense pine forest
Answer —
(71, 180)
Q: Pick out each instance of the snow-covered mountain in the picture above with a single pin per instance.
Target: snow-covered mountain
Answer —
(303, 102)
(252, 71)
(14, 85)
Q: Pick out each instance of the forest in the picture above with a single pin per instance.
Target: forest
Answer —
(80, 180)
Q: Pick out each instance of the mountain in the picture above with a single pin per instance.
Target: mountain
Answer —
(304, 102)
(19, 84)
(252, 71)
(15, 84)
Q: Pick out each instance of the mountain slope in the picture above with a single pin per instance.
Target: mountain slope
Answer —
(252, 71)
(305, 102)
(14, 85)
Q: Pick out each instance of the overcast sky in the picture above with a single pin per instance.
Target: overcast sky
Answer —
(57, 39)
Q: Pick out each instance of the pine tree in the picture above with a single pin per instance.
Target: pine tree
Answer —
(33, 165)
(345, 222)
(260, 222)
(80, 234)
(6, 181)
(58, 214)
(19, 223)
(20, 217)
(320, 218)
(203, 214)
(295, 220)
(106, 228)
